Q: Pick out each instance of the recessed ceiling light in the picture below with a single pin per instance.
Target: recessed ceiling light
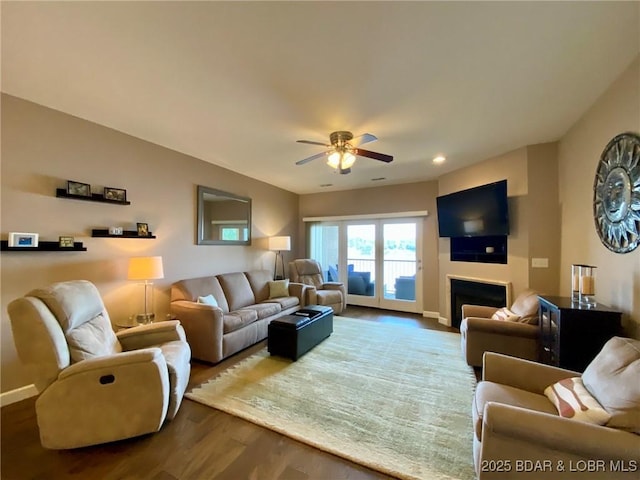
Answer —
(439, 159)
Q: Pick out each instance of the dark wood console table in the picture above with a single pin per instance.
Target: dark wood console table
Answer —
(571, 335)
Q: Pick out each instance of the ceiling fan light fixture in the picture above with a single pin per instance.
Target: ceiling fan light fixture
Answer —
(334, 160)
(348, 159)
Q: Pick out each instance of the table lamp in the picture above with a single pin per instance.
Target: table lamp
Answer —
(279, 244)
(146, 269)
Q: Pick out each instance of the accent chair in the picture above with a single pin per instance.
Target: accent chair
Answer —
(330, 294)
(95, 385)
(565, 424)
(511, 331)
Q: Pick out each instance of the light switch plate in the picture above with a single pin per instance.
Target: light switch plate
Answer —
(539, 263)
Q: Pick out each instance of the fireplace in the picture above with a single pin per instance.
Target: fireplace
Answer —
(476, 292)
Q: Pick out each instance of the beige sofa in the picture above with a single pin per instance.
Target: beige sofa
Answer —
(244, 309)
(518, 432)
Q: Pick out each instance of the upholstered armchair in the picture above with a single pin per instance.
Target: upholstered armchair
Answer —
(511, 331)
(537, 421)
(95, 385)
(309, 272)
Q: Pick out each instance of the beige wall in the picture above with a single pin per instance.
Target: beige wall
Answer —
(512, 167)
(42, 148)
(391, 199)
(618, 275)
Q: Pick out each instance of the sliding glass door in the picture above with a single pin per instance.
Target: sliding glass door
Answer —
(377, 260)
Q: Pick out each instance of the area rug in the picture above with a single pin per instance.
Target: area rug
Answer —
(396, 399)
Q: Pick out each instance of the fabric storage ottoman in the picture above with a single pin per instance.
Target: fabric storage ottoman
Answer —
(294, 335)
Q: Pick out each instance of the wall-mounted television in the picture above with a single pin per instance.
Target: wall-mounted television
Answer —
(477, 212)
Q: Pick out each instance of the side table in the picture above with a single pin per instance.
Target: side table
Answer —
(571, 335)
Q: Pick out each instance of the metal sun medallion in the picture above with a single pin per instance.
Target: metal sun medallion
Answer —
(616, 194)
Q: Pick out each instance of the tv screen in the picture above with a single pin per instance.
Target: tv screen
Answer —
(476, 212)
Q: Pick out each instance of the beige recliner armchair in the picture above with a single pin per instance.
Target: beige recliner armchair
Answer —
(330, 294)
(518, 432)
(515, 332)
(94, 385)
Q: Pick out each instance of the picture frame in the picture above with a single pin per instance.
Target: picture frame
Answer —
(65, 242)
(78, 188)
(115, 194)
(23, 240)
(143, 229)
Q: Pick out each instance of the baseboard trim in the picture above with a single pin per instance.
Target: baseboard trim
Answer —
(13, 396)
(427, 314)
(444, 321)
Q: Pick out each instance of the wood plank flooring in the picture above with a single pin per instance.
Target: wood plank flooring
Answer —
(199, 444)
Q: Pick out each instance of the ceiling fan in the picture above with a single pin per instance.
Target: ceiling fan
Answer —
(343, 149)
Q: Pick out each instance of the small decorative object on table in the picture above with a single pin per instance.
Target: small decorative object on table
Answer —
(115, 231)
(78, 188)
(115, 194)
(19, 239)
(587, 285)
(65, 242)
(143, 229)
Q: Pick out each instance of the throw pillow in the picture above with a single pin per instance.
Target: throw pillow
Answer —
(208, 300)
(505, 314)
(573, 400)
(279, 288)
(612, 378)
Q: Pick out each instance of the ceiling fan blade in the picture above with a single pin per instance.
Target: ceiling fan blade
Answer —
(362, 139)
(375, 155)
(312, 157)
(310, 142)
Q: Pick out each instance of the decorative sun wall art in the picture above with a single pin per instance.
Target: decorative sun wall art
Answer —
(616, 194)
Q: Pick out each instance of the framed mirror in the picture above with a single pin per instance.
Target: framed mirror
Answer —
(223, 218)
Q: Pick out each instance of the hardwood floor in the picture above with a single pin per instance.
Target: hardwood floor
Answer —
(201, 443)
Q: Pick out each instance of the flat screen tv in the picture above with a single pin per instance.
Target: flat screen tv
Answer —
(476, 212)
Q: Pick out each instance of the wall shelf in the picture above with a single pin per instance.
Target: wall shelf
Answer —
(95, 197)
(43, 247)
(104, 233)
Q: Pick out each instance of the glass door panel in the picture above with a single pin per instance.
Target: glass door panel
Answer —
(361, 260)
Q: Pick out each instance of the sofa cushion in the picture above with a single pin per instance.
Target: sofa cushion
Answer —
(612, 378)
(237, 319)
(573, 401)
(237, 290)
(285, 302)
(266, 309)
(279, 288)
(494, 392)
(259, 281)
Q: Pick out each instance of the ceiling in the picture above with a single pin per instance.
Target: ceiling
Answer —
(237, 83)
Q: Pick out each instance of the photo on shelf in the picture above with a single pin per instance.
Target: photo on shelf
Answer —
(143, 229)
(115, 194)
(78, 188)
(65, 242)
(19, 239)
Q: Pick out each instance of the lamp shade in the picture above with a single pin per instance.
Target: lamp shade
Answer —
(280, 243)
(145, 268)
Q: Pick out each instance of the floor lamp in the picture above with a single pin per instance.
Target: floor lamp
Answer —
(146, 268)
(279, 244)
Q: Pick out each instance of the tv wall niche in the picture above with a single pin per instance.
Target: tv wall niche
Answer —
(477, 222)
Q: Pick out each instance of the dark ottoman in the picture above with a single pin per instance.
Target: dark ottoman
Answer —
(294, 335)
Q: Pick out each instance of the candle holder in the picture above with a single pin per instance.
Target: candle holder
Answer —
(587, 294)
(575, 283)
